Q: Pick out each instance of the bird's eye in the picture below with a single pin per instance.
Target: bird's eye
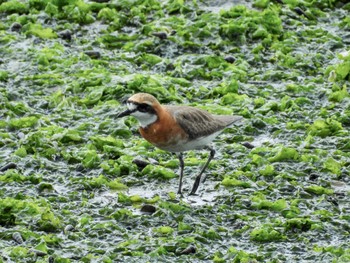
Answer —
(144, 107)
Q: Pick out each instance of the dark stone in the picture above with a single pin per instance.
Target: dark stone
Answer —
(313, 176)
(248, 145)
(16, 27)
(230, 59)
(8, 166)
(148, 209)
(65, 34)
(93, 54)
(140, 163)
(170, 67)
(300, 12)
(161, 35)
(189, 250)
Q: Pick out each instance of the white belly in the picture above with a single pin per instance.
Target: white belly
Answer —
(198, 143)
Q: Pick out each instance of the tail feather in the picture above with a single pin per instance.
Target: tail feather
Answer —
(228, 119)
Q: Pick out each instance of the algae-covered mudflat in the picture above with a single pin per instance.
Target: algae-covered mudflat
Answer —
(79, 185)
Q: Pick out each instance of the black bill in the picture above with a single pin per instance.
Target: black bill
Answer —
(124, 113)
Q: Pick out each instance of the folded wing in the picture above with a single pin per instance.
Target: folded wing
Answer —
(200, 123)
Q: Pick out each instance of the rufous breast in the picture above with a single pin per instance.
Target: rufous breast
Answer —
(165, 131)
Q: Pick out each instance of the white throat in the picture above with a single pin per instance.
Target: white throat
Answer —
(144, 118)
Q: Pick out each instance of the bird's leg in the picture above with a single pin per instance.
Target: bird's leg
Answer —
(182, 164)
(198, 178)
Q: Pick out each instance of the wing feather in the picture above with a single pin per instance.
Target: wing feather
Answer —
(199, 123)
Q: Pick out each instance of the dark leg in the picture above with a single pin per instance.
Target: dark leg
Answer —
(182, 164)
(198, 178)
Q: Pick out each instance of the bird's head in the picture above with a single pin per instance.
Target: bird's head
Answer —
(143, 107)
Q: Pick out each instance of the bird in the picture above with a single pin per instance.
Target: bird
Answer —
(177, 128)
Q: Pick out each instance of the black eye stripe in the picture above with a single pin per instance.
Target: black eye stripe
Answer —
(143, 107)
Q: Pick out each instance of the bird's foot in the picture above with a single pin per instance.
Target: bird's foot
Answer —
(180, 194)
(193, 193)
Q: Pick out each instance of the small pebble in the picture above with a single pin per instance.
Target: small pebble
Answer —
(160, 35)
(140, 163)
(189, 250)
(21, 135)
(16, 27)
(313, 176)
(300, 12)
(38, 252)
(248, 145)
(17, 237)
(65, 34)
(8, 166)
(68, 228)
(93, 54)
(148, 209)
(230, 59)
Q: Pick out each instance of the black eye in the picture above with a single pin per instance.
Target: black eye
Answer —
(144, 107)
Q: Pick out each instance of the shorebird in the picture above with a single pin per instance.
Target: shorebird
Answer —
(177, 128)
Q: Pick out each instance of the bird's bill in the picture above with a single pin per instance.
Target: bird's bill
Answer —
(124, 113)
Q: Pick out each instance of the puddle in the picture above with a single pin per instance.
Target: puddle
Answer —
(218, 5)
(264, 139)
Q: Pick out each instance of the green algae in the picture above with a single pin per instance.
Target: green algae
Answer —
(235, 183)
(13, 7)
(285, 154)
(13, 175)
(283, 67)
(325, 128)
(24, 122)
(318, 190)
(3, 75)
(15, 211)
(265, 234)
(158, 172)
(39, 31)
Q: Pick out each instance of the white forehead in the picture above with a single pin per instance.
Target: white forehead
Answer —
(144, 118)
(131, 106)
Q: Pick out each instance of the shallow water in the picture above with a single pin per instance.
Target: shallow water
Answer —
(284, 198)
